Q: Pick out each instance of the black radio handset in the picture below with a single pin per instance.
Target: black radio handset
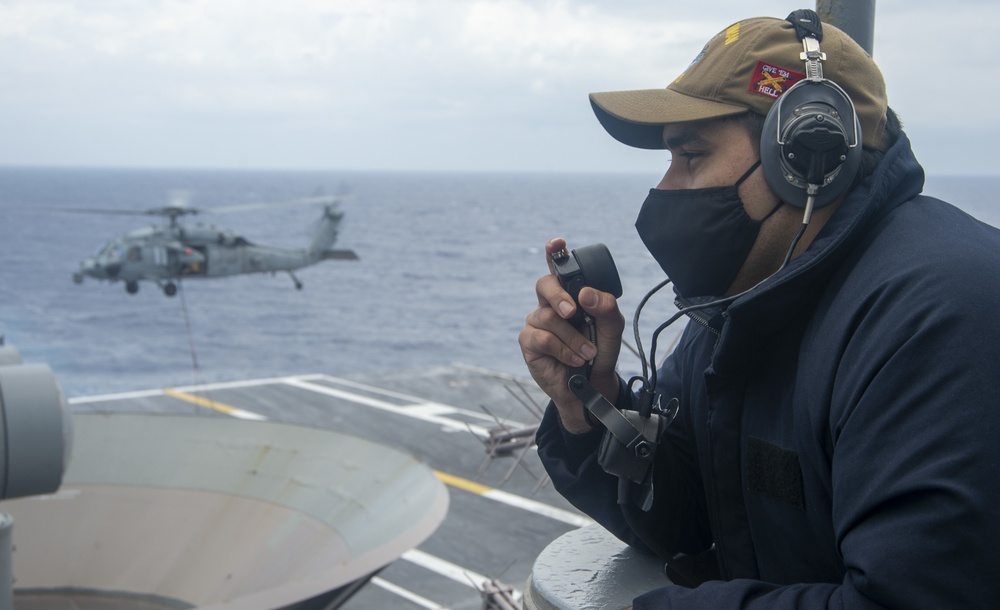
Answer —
(632, 436)
(587, 266)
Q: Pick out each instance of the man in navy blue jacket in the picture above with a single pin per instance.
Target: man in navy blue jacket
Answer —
(836, 444)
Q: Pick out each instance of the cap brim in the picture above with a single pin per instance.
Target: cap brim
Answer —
(637, 117)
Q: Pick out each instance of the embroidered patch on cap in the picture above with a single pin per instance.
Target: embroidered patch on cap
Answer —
(732, 33)
(772, 81)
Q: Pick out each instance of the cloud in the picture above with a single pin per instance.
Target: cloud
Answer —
(383, 83)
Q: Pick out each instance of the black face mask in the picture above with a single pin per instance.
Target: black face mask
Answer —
(700, 237)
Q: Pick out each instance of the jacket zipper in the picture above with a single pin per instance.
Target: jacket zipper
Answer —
(703, 317)
(714, 515)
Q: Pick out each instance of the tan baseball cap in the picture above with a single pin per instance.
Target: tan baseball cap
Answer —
(745, 67)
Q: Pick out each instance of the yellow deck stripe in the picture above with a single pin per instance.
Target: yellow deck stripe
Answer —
(533, 506)
(467, 485)
(202, 402)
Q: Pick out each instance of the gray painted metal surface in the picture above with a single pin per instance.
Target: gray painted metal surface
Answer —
(35, 431)
(590, 568)
(6, 586)
(219, 512)
(854, 17)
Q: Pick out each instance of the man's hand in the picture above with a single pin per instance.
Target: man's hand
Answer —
(550, 344)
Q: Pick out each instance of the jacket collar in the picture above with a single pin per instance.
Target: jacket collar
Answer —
(775, 302)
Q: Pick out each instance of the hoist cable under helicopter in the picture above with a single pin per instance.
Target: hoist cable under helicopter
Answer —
(196, 369)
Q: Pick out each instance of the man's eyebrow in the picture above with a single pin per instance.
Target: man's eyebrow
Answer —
(683, 138)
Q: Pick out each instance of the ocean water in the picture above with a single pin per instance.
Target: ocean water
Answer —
(446, 271)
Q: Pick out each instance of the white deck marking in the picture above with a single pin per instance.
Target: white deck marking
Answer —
(532, 506)
(78, 400)
(206, 387)
(539, 508)
(406, 594)
(413, 399)
(430, 412)
(449, 570)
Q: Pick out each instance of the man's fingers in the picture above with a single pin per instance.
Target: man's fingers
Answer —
(551, 294)
(603, 307)
(551, 247)
(609, 322)
(548, 334)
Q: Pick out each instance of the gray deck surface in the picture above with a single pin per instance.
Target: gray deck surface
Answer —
(497, 522)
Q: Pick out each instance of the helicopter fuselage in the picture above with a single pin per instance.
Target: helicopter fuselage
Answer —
(166, 254)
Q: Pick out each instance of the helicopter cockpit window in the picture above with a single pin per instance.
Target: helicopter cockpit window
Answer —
(134, 254)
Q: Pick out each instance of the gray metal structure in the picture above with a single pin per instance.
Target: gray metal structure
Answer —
(604, 573)
(36, 436)
(189, 511)
(854, 17)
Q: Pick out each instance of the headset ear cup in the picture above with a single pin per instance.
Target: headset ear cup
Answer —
(811, 142)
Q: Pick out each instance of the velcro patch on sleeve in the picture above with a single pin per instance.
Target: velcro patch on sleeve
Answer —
(775, 472)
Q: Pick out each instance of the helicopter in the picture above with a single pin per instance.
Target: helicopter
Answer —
(166, 254)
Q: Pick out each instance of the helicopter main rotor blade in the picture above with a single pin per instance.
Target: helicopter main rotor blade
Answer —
(243, 207)
(163, 211)
(172, 211)
(181, 209)
(95, 211)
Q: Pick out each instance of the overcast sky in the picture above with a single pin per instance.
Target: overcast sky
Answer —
(423, 84)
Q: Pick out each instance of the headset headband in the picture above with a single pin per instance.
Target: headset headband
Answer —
(801, 163)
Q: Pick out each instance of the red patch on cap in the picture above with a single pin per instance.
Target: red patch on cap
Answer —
(772, 81)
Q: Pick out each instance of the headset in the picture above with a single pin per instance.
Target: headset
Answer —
(811, 143)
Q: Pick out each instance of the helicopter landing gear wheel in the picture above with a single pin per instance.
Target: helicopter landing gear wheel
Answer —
(131, 286)
(170, 289)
